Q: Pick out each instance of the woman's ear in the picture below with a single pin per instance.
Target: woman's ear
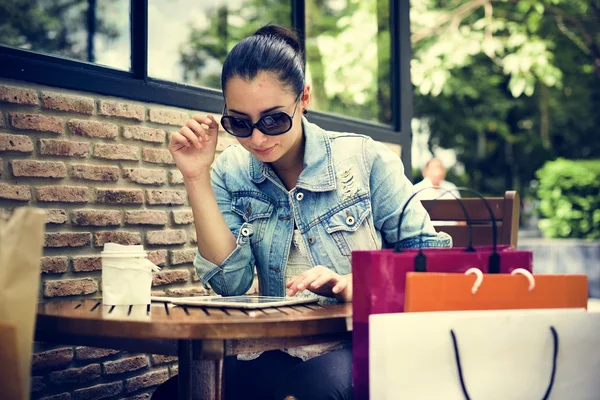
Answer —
(305, 99)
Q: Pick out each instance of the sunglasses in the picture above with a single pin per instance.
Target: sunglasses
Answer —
(273, 124)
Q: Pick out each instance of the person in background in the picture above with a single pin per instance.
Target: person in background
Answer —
(434, 177)
(293, 201)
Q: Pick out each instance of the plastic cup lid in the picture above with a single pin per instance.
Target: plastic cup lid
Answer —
(114, 249)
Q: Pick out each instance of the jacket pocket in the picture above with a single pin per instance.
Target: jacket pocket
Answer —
(255, 211)
(350, 228)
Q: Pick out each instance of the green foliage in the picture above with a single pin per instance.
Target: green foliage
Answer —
(570, 199)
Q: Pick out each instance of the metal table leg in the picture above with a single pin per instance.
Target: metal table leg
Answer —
(184, 353)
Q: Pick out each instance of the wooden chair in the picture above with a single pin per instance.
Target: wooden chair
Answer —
(10, 379)
(506, 212)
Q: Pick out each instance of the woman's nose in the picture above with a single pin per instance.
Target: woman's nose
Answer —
(258, 138)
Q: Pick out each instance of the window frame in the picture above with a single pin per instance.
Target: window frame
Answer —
(136, 85)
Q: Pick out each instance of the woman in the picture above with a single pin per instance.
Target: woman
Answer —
(293, 200)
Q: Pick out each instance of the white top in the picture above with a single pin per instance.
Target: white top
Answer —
(298, 262)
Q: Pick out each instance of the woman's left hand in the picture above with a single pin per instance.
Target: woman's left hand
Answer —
(324, 282)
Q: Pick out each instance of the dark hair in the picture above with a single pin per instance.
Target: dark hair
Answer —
(272, 48)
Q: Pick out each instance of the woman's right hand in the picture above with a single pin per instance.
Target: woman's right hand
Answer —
(193, 147)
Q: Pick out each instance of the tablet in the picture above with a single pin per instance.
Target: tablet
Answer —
(244, 301)
(169, 299)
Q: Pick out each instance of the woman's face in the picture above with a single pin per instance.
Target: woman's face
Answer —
(262, 96)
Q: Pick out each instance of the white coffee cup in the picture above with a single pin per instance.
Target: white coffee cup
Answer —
(126, 275)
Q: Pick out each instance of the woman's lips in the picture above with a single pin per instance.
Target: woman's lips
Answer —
(264, 152)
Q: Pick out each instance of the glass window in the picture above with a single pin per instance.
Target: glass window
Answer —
(85, 30)
(188, 40)
(348, 57)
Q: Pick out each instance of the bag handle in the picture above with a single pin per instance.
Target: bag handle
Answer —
(420, 259)
(552, 375)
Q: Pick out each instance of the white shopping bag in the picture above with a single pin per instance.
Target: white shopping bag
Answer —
(485, 355)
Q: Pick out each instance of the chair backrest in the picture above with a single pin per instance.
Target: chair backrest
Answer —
(10, 379)
(506, 212)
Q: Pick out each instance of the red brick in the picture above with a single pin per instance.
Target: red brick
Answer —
(61, 396)
(15, 192)
(145, 217)
(102, 173)
(172, 276)
(182, 256)
(187, 292)
(54, 265)
(167, 197)
(120, 237)
(158, 257)
(17, 143)
(55, 216)
(144, 134)
(37, 384)
(145, 176)
(174, 370)
(168, 117)
(225, 140)
(97, 392)
(254, 287)
(171, 236)
(87, 264)
(158, 293)
(149, 379)
(67, 239)
(63, 102)
(52, 359)
(96, 217)
(75, 375)
(65, 194)
(65, 148)
(157, 156)
(183, 217)
(175, 177)
(70, 287)
(122, 110)
(95, 129)
(37, 122)
(120, 196)
(158, 359)
(193, 238)
(39, 169)
(92, 353)
(125, 365)
(116, 152)
(17, 95)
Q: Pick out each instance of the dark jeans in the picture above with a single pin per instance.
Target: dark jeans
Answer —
(276, 375)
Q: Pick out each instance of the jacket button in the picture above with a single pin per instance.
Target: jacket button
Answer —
(299, 196)
(311, 240)
(350, 220)
(245, 232)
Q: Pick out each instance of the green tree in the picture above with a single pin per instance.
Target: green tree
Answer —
(57, 27)
(508, 84)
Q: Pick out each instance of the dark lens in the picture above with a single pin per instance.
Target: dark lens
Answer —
(275, 124)
(236, 126)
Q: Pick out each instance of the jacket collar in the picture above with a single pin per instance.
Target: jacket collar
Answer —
(318, 173)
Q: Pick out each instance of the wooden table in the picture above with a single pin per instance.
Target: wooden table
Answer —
(200, 336)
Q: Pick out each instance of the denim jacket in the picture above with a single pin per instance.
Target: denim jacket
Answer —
(349, 196)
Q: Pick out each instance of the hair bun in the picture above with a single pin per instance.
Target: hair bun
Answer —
(283, 33)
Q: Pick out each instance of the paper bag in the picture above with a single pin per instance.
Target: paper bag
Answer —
(485, 355)
(459, 292)
(21, 242)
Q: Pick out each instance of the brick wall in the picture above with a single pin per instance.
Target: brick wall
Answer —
(100, 168)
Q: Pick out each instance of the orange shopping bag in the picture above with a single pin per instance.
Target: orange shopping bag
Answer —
(517, 290)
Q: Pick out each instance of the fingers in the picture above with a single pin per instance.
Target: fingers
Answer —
(191, 137)
(210, 122)
(312, 279)
(341, 285)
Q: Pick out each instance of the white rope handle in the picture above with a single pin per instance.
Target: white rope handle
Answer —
(527, 274)
(478, 280)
